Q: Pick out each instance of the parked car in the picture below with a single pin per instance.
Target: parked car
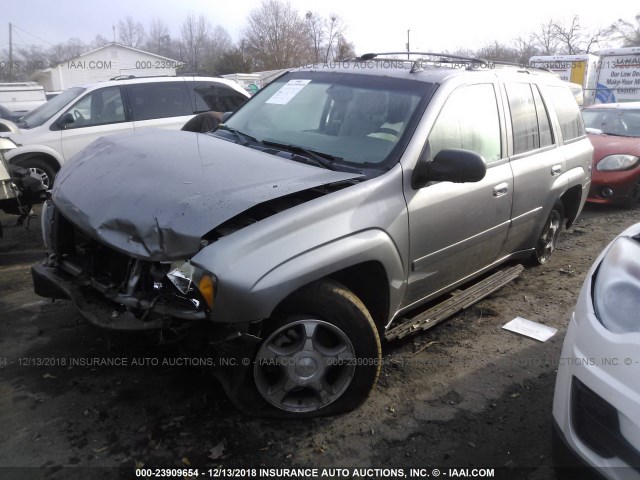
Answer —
(614, 131)
(317, 218)
(60, 128)
(19, 188)
(596, 405)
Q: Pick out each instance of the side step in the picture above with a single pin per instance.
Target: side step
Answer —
(460, 300)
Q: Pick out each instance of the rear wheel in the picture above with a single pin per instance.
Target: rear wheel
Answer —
(321, 356)
(41, 168)
(548, 239)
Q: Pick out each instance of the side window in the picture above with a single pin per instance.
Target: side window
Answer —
(567, 110)
(99, 107)
(546, 134)
(524, 120)
(218, 98)
(158, 100)
(469, 120)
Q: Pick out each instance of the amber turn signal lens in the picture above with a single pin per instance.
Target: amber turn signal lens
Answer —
(207, 289)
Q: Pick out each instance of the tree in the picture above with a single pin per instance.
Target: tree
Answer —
(545, 39)
(158, 38)
(627, 32)
(316, 24)
(131, 33)
(574, 39)
(195, 35)
(233, 61)
(276, 36)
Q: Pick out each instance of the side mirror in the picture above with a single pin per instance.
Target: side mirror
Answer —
(225, 116)
(449, 165)
(65, 120)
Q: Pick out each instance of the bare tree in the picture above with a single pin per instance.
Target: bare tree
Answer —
(335, 30)
(218, 43)
(316, 25)
(131, 33)
(525, 48)
(545, 39)
(574, 38)
(343, 49)
(627, 32)
(195, 35)
(98, 41)
(276, 36)
(158, 39)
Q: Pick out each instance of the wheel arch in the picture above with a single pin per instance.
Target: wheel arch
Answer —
(571, 201)
(45, 156)
(368, 281)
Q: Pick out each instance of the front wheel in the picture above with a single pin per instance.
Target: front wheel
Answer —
(41, 168)
(321, 356)
(548, 239)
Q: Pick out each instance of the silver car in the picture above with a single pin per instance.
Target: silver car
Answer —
(320, 216)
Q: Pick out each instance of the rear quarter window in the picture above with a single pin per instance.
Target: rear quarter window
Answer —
(564, 103)
(216, 97)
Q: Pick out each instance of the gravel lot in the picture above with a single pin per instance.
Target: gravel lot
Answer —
(466, 394)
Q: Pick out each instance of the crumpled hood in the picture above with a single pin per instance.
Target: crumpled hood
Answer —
(154, 194)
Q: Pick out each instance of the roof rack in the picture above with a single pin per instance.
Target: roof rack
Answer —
(442, 58)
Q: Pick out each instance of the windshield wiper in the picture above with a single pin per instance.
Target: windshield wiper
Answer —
(240, 137)
(321, 159)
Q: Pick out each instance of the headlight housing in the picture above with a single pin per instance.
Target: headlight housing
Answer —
(616, 288)
(185, 275)
(612, 163)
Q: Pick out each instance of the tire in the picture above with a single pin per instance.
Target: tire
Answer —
(548, 239)
(40, 167)
(320, 356)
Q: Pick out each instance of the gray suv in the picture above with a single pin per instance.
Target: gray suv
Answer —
(319, 218)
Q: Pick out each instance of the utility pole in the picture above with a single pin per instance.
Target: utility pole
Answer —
(10, 53)
(408, 44)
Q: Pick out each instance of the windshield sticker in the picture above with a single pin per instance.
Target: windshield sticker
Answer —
(288, 91)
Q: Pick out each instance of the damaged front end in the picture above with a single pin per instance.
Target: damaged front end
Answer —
(119, 292)
(120, 250)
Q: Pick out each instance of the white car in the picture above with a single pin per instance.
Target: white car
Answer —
(596, 406)
(58, 129)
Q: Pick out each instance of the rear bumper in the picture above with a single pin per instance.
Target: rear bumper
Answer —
(104, 312)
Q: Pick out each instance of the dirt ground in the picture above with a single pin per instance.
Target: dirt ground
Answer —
(466, 394)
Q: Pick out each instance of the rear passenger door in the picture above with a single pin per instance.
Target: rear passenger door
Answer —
(457, 229)
(536, 161)
(159, 104)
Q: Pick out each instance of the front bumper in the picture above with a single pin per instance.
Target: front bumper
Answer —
(597, 394)
(105, 312)
(620, 183)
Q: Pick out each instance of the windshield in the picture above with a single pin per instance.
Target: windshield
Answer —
(354, 120)
(44, 112)
(613, 121)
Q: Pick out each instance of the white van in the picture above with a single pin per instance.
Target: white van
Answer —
(51, 134)
(22, 97)
(618, 77)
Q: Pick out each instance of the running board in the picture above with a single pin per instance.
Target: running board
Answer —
(460, 300)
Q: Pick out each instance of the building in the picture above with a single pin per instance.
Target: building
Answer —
(103, 63)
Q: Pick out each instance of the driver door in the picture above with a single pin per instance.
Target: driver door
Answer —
(98, 113)
(457, 229)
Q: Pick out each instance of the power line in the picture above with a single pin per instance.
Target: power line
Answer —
(35, 36)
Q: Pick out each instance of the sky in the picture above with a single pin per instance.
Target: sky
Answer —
(371, 26)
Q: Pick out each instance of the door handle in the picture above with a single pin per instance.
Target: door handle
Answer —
(501, 189)
(556, 170)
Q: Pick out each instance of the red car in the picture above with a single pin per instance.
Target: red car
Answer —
(614, 131)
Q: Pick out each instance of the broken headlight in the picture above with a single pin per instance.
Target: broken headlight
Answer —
(186, 277)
